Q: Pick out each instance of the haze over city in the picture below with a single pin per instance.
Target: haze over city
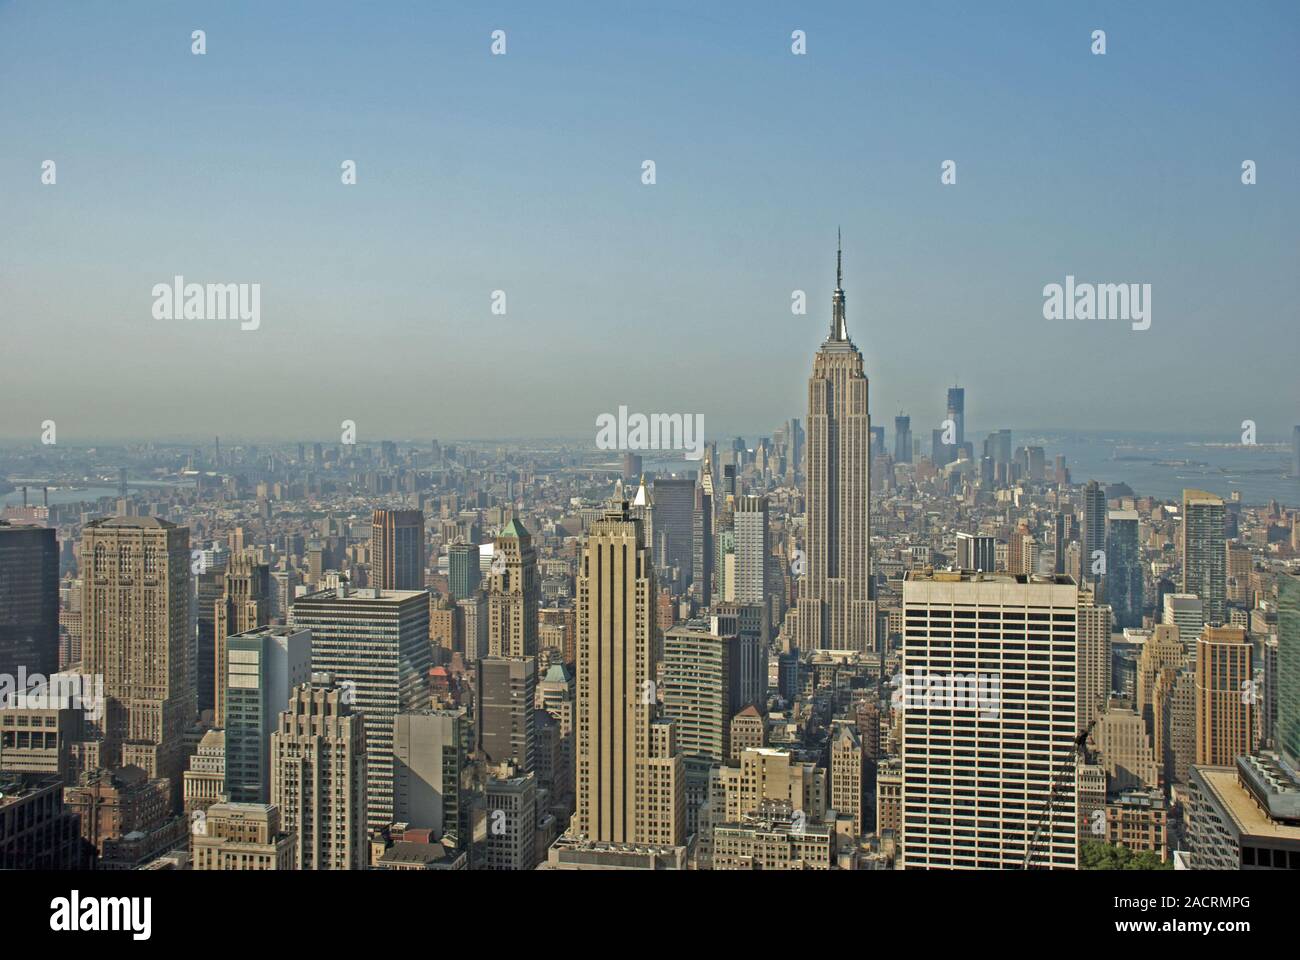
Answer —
(522, 174)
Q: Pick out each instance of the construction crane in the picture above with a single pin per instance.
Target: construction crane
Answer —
(1069, 770)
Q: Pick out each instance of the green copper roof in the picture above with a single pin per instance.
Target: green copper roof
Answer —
(513, 529)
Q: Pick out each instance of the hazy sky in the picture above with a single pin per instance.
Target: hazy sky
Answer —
(522, 173)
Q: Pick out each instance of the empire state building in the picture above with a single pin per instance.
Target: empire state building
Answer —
(834, 607)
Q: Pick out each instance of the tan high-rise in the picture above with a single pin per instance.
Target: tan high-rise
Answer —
(1225, 696)
(1163, 649)
(616, 699)
(833, 606)
(136, 622)
(318, 777)
(1094, 668)
(513, 594)
(397, 549)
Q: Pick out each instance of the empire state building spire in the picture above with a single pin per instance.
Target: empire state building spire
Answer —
(839, 329)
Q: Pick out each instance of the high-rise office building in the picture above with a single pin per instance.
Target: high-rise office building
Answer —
(1225, 701)
(1203, 553)
(1010, 702)
(318, 776)
(848, 776)
(514, 593)
(1123, 581)
(1092, 531)
(976, 552)
(1286, 733)
(623, 770)
(397, 549)
(463, 571)
(672, 507)
(701, 686)
(29, 599)
(702, 540)
(1162, 650)
(1185, 611)
(432, 774)
(137, 637)
(1094, 663)
(834, 595)
(512, 822)
(504, 726)
(1295, 451)
(377, 643)
(263, 667)
(902, 439)
(753, 560)
(957, 413)
(244, 605)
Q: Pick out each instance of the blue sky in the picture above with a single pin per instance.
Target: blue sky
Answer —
(523, 173)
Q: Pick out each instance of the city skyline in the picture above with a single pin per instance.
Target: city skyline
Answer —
(779, 629)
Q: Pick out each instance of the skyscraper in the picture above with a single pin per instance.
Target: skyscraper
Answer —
(1225, 702)
(672, 508)
(902, 439)
(1287, 732)
(957, 413)
(137, 636)
(507, 687)
(263, 667)
(834, 595)
(1093, 676)
(376, 642)
(1123, 581)
(463, 572)
(619, 762)
(318, 776)
(1093, 534)
(702, 540)
(1204, 553)
(1010, 703)
(753, 559)
(245, 604)
(513, 594)
(29, 599)
(397, 549)
(431, 773)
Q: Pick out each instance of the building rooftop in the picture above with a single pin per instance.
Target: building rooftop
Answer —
(1236, 801)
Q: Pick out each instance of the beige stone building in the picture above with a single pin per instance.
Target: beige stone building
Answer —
(748, 731)
(242, 836)
(513, 594)
(318, 777)
(204, 783)
(1162, 650)
(1125, 747)
(1094, 664)
(833, 609)
(848, 772)
(618, 760)
(136, 622)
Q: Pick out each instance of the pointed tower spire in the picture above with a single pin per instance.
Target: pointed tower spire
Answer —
(839, 258)
(839, 328)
